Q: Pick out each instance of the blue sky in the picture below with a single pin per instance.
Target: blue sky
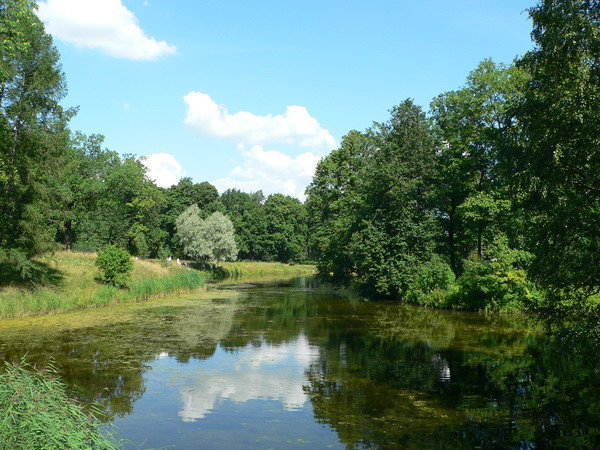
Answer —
(250, 94)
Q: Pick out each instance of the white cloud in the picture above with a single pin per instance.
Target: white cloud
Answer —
(295, 126)
(163, 169)
(106, 25)
(272, 172)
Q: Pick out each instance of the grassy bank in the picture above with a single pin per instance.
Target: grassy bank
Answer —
(239, 269)
(38, 414)
(68, 281)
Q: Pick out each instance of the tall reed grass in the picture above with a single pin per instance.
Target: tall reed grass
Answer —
(37, 414)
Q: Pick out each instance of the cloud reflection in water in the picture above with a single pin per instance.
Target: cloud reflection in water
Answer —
(253, 372)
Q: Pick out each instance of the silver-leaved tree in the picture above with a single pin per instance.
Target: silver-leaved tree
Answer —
(211, 239)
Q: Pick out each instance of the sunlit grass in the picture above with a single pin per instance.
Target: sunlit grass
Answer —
(77, 286)
(257, 268)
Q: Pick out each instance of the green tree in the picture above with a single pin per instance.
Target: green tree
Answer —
(181, 196)
(333, 204)
(287, 231)
(32, 131)
(115, 265)
(247, 214)
(369, 205)
(396, 229)
(107, 199)
(479, 158)
(561, 116)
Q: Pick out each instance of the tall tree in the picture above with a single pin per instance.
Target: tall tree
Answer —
(369, 203)
(333, 203)
(248, 216)
(32, 130)
(561, 113)
(479, 158)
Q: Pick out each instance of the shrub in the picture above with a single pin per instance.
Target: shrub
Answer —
(498, 281)
(433, 284)
(115, 265)
(37, 413)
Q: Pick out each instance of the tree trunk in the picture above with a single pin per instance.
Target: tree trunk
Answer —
(68, 240)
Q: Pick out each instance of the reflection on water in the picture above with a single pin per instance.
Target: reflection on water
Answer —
(291, 364)
(266, 371)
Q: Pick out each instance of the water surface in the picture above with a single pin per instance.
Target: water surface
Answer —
(290, 364)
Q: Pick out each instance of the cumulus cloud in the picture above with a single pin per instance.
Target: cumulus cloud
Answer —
(163, 169)
(105, 25)
(272, 172)
(295, 126)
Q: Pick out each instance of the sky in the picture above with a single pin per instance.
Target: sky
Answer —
(252, 94)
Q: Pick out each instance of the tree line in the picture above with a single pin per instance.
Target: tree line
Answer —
(491, 200)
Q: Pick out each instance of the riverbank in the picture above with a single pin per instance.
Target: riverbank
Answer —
(239, 269)
(67, 281)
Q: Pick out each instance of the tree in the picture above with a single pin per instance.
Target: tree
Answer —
(210, 239)
(561, 114)
(332, 205)
(115, 265)
(287, 232)
(181, 196)
(32, 130)
(107, 199)
(248, 217)
(369, 204)
(480, 156)
(396, 227)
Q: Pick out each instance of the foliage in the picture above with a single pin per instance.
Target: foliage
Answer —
(498, 281)
(38, 414)
(247, 213)
(478, 160)
(115, 265)
(286, 231)
(433, 285)
(561, 116)
(211, 239)
(32, 130)
(376, 209)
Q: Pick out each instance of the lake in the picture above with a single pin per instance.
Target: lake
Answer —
(291, 364)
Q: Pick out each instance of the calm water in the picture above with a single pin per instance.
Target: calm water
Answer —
(289, 364)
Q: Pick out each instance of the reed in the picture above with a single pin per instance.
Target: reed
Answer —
(37, 413)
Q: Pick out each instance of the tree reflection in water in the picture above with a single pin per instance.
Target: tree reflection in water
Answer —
(380, 374)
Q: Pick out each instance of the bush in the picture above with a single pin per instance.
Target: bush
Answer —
(496, 282)
(115, 265)
(37, 413)
(433, 284)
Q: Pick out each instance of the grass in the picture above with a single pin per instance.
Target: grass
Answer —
(74, 286)
(37, 414)
(239, 269)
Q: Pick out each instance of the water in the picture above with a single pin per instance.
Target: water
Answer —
(290, 364)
